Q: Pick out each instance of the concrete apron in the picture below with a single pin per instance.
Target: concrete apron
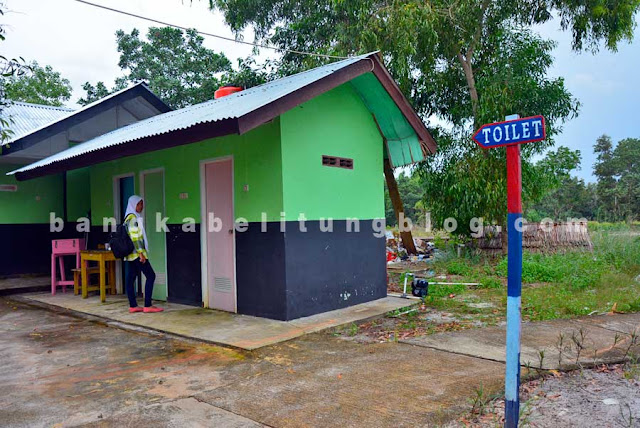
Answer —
(558, 344)
(212, 326)
(25, 284)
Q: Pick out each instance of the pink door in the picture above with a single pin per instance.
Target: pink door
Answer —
(219, 223)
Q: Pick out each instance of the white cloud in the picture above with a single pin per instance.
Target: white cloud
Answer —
(79, 40)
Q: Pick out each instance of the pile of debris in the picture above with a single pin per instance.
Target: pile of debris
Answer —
(397, 253)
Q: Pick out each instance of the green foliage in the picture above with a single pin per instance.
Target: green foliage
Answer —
(98, 91)
(572, 199)
(467, 62)
(464, 182)
(440, 290)
(176, 65)
(575, 269)
(490, 282)
(618, 172)
(41, 85)
(561, 285)
(458, 267)
(412, 194)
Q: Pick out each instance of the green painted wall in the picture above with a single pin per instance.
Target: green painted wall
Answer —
(336, 123)
(257, 163)
(33, 201)
(78, 198)
(281, 162)
(153, 186)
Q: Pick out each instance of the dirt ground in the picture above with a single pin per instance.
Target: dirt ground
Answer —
(57, 370)
(606, 396)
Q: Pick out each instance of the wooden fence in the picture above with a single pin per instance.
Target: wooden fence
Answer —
(540, 236)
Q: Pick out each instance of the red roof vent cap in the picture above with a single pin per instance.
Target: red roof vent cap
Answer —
(226, 90)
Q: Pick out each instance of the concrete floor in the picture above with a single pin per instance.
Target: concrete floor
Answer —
(217, 327)
(59, 370)
(557, 340)
(24, 284)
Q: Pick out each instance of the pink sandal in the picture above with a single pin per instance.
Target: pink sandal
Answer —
(152, 309)
(136, 309)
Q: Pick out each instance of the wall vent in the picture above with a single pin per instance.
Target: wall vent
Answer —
(337, 162)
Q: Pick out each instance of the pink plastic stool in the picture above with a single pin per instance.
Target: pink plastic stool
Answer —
(59, 249)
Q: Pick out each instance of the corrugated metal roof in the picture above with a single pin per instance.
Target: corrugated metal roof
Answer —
(69, 113)
(24, 118)
(229, 107)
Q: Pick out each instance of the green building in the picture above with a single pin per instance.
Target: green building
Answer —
(39, 131)
(267, 202)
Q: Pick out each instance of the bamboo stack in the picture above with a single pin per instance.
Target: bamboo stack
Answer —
(541, 236)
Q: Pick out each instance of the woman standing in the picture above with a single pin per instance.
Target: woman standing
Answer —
(138, 260)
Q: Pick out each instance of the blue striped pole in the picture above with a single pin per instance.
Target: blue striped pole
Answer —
(514, 284)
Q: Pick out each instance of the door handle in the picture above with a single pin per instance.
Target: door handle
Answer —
(230, 231)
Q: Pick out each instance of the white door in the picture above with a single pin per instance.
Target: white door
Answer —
(219, 232)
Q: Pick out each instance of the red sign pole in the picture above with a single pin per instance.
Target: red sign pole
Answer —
(514, 285)
(511, 133)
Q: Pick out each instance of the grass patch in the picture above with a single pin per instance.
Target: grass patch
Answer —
(559, 285)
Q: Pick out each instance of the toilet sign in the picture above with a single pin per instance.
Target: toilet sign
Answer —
(511, 133)
(518, 131)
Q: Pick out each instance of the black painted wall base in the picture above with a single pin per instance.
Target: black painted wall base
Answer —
(260, 272)
(184, 272)
(25, 249)
(294, 274)
(327, 271)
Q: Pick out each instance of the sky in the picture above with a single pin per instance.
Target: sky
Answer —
(79, 41)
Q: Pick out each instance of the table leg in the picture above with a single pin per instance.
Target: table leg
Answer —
(103, 284)
(53, 274)
(85, 280)
(112, 276)
(76, 282)
(63, 277)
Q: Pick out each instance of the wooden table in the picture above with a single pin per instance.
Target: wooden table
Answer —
(102, 257)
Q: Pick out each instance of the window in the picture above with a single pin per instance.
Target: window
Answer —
(337, 162)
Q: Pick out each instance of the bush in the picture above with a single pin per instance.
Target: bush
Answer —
(459, 267)
(490, 282)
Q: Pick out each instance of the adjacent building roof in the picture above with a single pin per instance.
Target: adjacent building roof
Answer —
(53, 135)
(23, 118)
(240, 112)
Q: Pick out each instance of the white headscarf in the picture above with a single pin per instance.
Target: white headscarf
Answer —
(131, 209)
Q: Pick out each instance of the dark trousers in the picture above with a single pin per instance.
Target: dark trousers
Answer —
(135, 267)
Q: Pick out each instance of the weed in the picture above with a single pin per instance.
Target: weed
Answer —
(633, 341)
(632, 369)
(459, 267)
(490, 282)
(540, 361)
(560, 347)
(479, 401)
(627, 419)
(579, 341)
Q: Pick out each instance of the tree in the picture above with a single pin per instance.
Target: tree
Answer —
(466, 61)
(626, 158)
(412, 194)
(177, 67)
(42, 85)
(605, 171)
(99, 91)
(618, 172)
(572, 199)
